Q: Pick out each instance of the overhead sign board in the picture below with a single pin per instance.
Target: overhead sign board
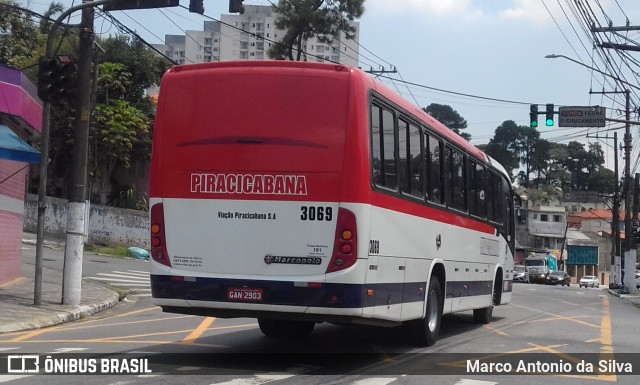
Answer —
(589, 116)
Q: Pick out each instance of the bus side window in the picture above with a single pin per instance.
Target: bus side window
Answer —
(383, 148)
(454, 179)
(416, 169)
(495, 201)
(410, 159)
(376, 146)
(434, 173)
(482, 193)
(403, 150)
(490, 195)
(389, 150)
(472, 187)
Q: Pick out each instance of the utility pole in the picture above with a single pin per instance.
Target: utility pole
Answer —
(629, 258)
(76, 214)
(615, 223)
(382, 71)
(44, 142)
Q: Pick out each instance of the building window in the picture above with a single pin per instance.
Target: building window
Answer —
(557, 218)
(544, 218)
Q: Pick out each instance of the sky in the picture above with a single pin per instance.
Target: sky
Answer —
(489, 49)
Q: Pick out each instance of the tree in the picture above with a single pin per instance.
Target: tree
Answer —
(505, 146)
(302, 19)
(118, 127)
(144, 67)
(526, 142)
(541, 160)
(20, 39)
(449, 117)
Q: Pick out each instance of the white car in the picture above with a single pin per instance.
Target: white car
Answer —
(589, 280)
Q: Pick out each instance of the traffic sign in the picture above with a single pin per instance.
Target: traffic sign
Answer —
(581, 116)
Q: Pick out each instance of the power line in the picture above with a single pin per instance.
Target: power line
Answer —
(123, 27)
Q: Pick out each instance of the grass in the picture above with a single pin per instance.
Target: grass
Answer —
(119, 252)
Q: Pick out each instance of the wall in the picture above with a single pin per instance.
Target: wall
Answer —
(107, 225)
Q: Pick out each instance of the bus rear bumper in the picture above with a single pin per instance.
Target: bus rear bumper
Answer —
(341, 316)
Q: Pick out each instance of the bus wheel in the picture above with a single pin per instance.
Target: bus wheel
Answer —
(284, 328)
(484, 315)
(425, 331)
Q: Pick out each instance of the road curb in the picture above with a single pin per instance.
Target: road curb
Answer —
(54, 316)
(632, 299)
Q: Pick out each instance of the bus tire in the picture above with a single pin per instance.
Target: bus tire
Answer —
(424, 332)
(484, 315)
(285, 328)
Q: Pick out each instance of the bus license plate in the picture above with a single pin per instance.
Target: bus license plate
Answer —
(244, 294)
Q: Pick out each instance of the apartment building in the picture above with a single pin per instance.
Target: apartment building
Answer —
(248, 37)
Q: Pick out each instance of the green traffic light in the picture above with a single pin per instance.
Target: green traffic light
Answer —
(534, 123)
(549, 122)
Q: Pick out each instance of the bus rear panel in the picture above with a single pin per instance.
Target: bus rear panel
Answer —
(246, 186)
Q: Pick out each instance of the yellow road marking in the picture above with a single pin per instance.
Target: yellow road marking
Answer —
(123, 340)
(606, 340)
(128, 323)
(197, 332)
(143, 342)
(497, 331)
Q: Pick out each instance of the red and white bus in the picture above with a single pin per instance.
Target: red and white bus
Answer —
(299, 193)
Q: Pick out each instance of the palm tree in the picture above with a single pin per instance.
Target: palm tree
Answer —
(47, 21)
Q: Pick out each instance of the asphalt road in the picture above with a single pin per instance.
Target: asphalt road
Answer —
(561, 325)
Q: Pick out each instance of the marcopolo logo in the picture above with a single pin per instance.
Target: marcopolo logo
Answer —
(269, 259)
(249, 184)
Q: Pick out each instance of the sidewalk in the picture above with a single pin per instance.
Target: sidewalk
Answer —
(631, 298)
(16, 297)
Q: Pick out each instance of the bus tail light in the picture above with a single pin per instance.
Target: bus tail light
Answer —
(158, 240)
(344, 246)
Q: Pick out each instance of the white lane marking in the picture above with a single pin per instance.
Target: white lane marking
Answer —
(375, 381)
(11, 377)
(465, 381)
(134, 272)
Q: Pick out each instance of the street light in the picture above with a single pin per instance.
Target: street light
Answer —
(554, 56)
(627, 148)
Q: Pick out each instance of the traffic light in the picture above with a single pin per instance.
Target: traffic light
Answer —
(54, 77)
(235, 6)
(196, 6)
(46, 69)
(549, 121)
(533, 116)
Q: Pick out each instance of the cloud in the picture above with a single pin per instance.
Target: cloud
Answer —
(458, 8)
(531, 10)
